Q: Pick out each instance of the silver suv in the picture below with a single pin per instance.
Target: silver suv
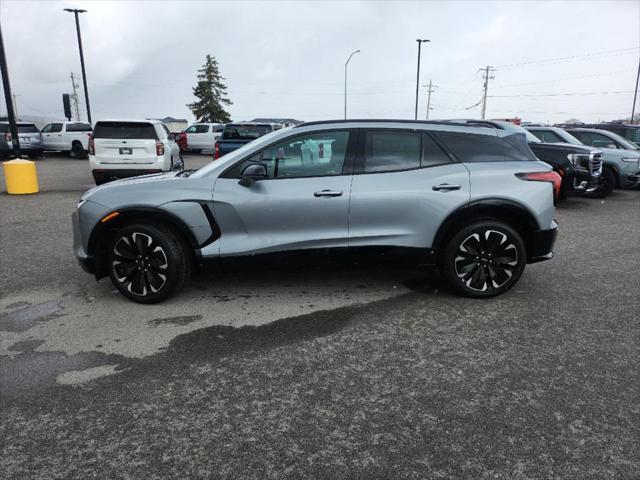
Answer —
(473, 201)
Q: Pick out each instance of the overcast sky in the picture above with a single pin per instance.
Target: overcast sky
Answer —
(286, 58)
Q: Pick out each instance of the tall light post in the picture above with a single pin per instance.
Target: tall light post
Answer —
(420, 42)
(635, 95)
(76, 11)
(345, 82)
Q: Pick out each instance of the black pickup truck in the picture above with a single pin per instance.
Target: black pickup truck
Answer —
(235, 135)
(580, 166)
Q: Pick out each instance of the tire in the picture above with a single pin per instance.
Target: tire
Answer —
(78, 151)
(148, 263)
(606, 184)
(481, 275)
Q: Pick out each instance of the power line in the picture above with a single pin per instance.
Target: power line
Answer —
(562, 94)
(572, 57)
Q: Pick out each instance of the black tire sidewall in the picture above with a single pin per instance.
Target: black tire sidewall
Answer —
(447, 264)
(604, 190)
(179, 264)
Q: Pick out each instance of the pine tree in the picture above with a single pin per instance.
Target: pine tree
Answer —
(211, 94)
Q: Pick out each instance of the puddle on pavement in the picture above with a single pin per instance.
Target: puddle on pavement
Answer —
(24, 318)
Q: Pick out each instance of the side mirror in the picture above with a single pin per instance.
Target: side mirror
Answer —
(253, 173)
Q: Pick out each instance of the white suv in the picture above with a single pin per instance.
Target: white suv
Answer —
(67, 137)
(128, 148)
(203, 136)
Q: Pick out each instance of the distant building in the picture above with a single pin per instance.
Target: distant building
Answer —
(174, 125)
(285, 122)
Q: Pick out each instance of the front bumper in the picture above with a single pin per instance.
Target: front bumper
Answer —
(86, 261)
(106, 175)
(631, 180)
(541, 243)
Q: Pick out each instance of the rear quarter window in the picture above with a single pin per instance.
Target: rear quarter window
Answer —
(470, 148)
(125, 130)
(78, 127)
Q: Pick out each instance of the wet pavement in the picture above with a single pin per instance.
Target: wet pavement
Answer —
(321, 373)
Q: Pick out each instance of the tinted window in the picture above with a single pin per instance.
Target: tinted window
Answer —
(78, 127)
(433, 154)
(125, 130)
(598, 140)
(28, 128)
(201, 129)
(55, 128)
(484, 148)
(244, 132)
(218, 129)
(4, 127)
(632, 134)
(312, 155)
(191, 129)
(578, 135)
(547, 136)
(392, 150)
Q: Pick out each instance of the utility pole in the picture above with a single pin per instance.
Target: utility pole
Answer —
(74, 85)
(15, 140)
(487, 75)
(635, 95)
(429, 92)
(76, 11)
(420, 42)
(15, 106)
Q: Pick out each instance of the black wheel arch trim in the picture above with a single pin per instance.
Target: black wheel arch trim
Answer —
(97, 237)
(517, 215)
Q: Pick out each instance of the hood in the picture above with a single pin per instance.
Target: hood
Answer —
(565, 147)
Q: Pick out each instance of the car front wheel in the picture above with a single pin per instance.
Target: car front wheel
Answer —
(148, 263)
(484, 259)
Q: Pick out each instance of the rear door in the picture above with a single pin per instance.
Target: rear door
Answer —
(125, 142)
(303, 204)
(404, 186)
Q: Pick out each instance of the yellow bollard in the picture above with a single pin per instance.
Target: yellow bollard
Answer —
(20, 176)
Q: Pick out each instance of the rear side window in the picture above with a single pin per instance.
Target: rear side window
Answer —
(125, 130)
(78, 127)
(392, 150)
(469, 148)
(433, 154)
(29, 128)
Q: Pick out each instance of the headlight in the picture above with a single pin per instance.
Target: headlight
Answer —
(579, 161)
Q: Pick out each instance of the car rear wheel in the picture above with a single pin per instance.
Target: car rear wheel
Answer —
(606, 184)
(484, 259)
(78, 151)
(148, 263)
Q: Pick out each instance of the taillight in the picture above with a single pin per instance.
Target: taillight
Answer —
(159, 148)
(551, 177)
(216, 151)
(92, 147)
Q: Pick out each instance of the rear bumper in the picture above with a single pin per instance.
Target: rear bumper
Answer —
(106, 175)
(541, 244)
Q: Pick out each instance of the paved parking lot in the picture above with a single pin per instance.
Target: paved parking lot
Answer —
(327, 373)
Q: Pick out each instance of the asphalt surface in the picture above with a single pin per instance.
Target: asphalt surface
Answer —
(323, 372)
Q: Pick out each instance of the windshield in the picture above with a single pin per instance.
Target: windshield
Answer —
(633, 134)
(245, 132)
(531, 138)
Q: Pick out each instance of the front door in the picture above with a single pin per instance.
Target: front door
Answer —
(404, 187)
(52, 136)
(302, 204)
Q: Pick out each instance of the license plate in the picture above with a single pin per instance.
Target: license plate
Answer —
(25, 139)
(126, 151)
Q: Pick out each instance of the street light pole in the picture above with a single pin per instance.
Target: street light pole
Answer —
(15, 140)
(76, 11)
(345, 82)
(420, 42)
(635, 94)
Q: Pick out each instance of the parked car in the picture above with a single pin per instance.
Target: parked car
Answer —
(128, 148)
(67, 137)
(630, 132)
(331, 186)
(621, 159)
(203, 136)
(235, 135)
(28, 135)
(580, 166)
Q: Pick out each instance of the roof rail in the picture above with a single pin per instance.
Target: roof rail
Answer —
(390, 120)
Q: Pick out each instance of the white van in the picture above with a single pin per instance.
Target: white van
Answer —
(128, 148)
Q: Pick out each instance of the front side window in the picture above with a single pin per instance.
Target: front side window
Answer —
(46, 128)
(191, 129)
(201, 129)
(547, 136)
(598, 140)
(387, 151)
(470, 148)
(310, 155)
(55, 128)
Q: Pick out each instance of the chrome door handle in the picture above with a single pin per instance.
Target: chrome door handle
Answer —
(445, 187)
(328, 193)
